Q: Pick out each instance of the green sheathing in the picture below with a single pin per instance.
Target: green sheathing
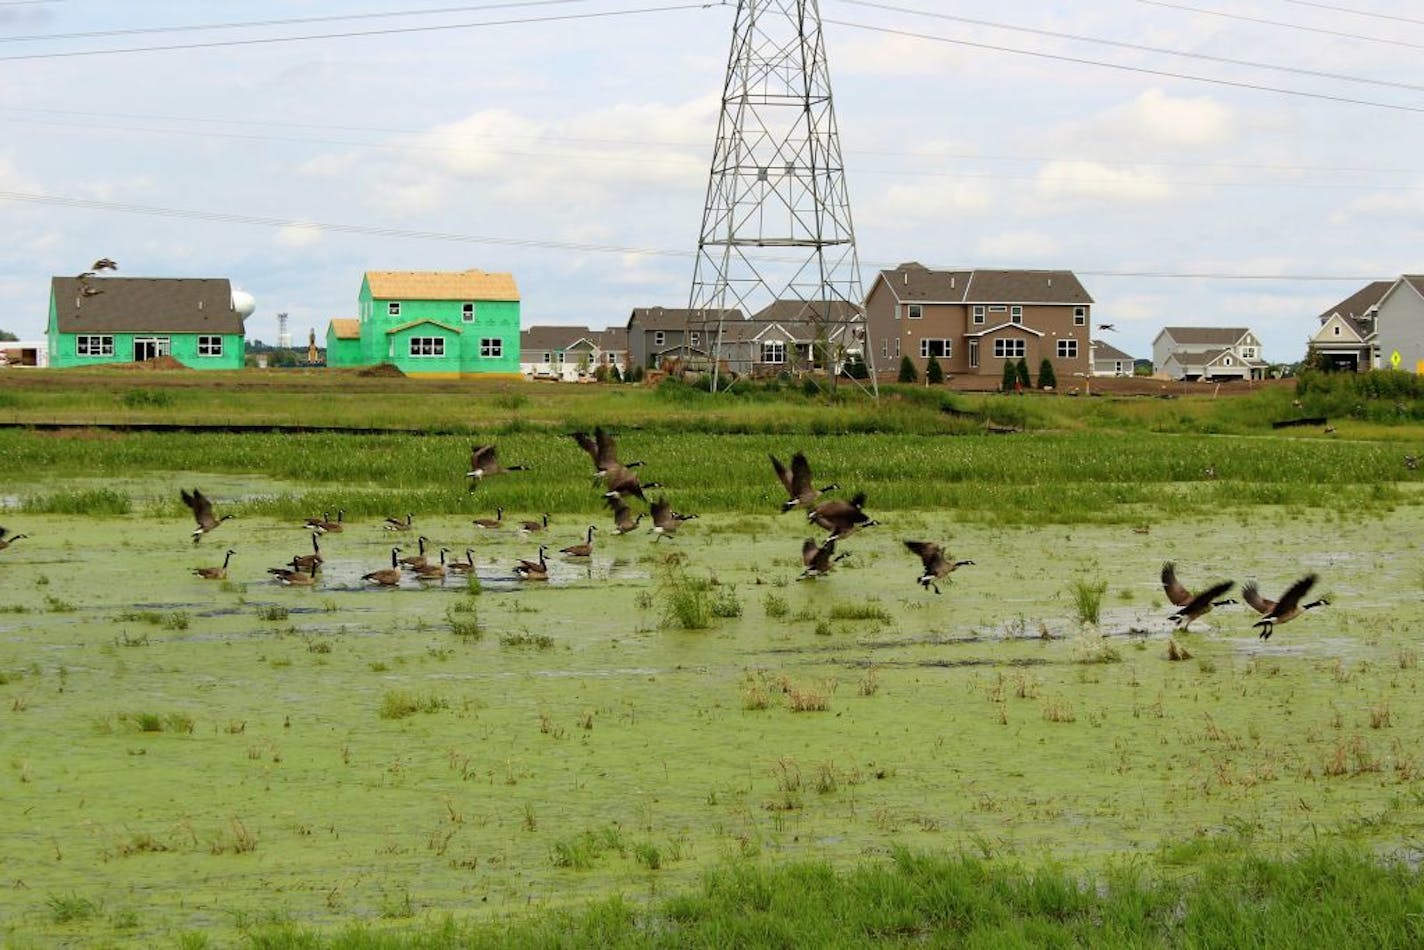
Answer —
(494, 319)
(399, 350)
(341, 352)
(183, 347)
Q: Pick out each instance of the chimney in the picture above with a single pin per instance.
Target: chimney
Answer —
(951, 281)
(905, 278)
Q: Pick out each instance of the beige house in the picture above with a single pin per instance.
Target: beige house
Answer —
(571, 354)
(1348, 332)
(971, 321)
(1205, 353)
(1108, 360)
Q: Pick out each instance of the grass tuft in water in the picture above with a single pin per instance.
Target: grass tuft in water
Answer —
(1088, 600)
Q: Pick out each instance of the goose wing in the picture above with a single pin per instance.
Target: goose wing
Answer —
(1203, 601)
(202, 508)
(662, 512)
(588, 445)
(1176, 593)
(800, 486)
(931, 554)
(1252, 595)
(1291, 598)
(605, 448)
(784, 475)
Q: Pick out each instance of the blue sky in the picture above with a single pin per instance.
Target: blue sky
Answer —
(581, 146)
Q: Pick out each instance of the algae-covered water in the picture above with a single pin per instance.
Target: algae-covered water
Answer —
(186, 755)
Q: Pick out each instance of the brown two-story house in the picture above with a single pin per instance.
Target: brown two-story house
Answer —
(970, 321)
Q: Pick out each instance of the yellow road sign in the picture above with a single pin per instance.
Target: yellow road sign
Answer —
(1394, 359)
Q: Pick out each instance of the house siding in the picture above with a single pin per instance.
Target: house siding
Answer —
(1401, 328)
(494, 320)
(182, 346)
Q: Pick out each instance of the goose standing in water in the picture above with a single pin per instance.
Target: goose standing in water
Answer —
(386, 576)
(533, 570)
(581, 550)
(215, 573)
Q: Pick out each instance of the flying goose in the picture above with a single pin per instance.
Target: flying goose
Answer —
(202, 513)
(7, 539)
(325, 525)
(841, 518)
(310, 562)
(603, 450)
(84, 276)
(818, 558)
(484, 460)
(104, 263)
(293, 576)
(623, 519)
(937, 562)
(1192, 606)
(533, 527)
(624, 481)
(491, 524)
(417, 560)
(433, 572)
(215, 573)
(462, 567)
(1286, 609)
(388, 576)
(533, 570)
(665, 520)
(395, 524)
(581, 550)
(797, 482)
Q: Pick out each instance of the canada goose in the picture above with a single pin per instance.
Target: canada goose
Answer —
(84, 276)
(797, 482)
(1107, 327)
(90, 291)
(533, 570)
(937, 561)
(1142, 529)
(818, 558)
(665, 520)
(533, 527)
(1411, 462)
(1209, 471)
(1192, 606)
(395, 524)
(310, 562)
(105, 263)
(432, 572)
(202, 513)
(485, 461)
(325, 525)
(581, 550)
(389, 576)
(293, 576)
(1287, 608)
(462, 567)
(491, 524)
(7, 539)
(624, 481)
(215, 573)
(603, 450)
(623, 519)
(841, 518)
(417, 560)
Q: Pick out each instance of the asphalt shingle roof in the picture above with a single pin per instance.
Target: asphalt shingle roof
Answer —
(146, 305)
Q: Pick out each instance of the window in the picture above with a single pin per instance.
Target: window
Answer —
(1016, 313)
(547, 357)
(558, 357)
(393, 308)
(94, 346)
(210, 346)
(659, 338)
(1337, 331)
(694, 338)
(1080, 316)
(914, 311)
(1226, 362)
(1248, 352)
(998, 308)
(974, 353)
(493, 348)
(897, 348)
(467, 312)
(1068, 349)
(937, 348)
(1008, 349)
(612, 357)
(773, 351)
(884, 349)
(427, 346)
(979, 313)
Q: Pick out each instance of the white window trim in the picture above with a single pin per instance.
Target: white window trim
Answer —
(90, 342)
(978, 316)
(1003, 348)
(393, 308)
(1064, 348)
(998, 308)
(1080, 316)
(467, 312)
(694, 338)
(659, 338)
(417, 344)
(914, 311)
(974, 353)
(492, 348)
(947, 348)
(773, 352)
(210, 345)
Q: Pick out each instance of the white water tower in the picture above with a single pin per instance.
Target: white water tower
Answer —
(243, 303)
(284, 336)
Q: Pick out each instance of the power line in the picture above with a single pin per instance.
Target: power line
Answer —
(294, 21)
(1137, 47)
(1353, 12)
(1081, 61)
(352, 34)
(1283, 25)
(219, 217)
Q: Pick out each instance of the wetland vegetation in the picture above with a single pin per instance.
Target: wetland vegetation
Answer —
(679, 743)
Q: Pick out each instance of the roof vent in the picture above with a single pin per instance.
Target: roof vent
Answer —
(951, 281)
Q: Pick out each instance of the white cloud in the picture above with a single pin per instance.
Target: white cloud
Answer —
(296, 235)
(896, 56)
(1025, 248)
(1094, 180)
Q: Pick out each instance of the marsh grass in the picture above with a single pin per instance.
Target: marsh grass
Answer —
(71, 908)
(158, 722)
(775, 606)
(538, 641)
(398, 704)
(1090, 648)
(272, 613)
(463, 620)
(90, 502)
(870, 609)
(1088, 600)
(171, 620)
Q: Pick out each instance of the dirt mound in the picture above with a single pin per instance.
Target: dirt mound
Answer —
(158, 362)
(382, 370)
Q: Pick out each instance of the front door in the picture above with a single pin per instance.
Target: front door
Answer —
(150, 347)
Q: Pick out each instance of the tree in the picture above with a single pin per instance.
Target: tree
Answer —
(907, 369)
(934, 373)
(1021, 374)
(614, 375)
(1047, 379)
(1011, 376)
(8, 337)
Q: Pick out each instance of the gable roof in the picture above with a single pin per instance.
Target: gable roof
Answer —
(808, 312)
(552, 337)
(1206, 336)
(345, 329)
(914, 282)
(1007, 326)
(145, 305)
(415, 323)
(1106, 351)
(462, 285)
(672, 318)
(1354, 307)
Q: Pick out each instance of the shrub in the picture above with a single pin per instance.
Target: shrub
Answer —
(1047, 379)
(1010, 377)
(1021, 373)
(907, 370)
(614, 375)
(934, 374)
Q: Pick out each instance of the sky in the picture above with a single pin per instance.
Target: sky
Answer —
(1196, 162)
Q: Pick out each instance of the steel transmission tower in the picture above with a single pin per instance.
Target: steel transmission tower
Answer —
(776, 227)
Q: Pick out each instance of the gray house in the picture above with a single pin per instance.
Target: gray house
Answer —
(1399, 322)
(1208, 353)
(1347, 336)
(656, 334)
(1108, 360)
